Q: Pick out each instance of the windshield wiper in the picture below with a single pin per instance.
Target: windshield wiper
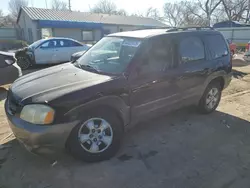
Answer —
(88, 67)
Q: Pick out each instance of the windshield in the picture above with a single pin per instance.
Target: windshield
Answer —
(35, 44)
(110, 55)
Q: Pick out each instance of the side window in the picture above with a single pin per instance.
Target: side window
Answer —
(158, 56)
(62, 43)
(75, 44)
(217, 46)
(48, 44)
(191, 49)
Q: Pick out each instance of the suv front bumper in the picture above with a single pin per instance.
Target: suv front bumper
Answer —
(40, 139)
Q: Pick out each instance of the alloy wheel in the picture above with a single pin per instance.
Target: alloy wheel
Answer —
(23, 62)
(95, 135)
(212, 98)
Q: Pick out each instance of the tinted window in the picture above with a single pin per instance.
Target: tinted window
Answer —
(73, 43)
(158, 56)
(49, 44)
(191, 49)
(217, 46)
(62, 43)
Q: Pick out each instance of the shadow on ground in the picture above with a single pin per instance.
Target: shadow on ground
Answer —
(181, 149)
(238, 74)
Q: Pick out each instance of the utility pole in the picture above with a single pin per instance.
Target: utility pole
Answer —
(46, 4)
(69, 5)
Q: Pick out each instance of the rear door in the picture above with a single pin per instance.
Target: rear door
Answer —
(61, 51)
(65, 48)
(218, 53)
(194, 67)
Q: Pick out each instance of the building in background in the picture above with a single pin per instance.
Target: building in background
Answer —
(226, 24)
(235, 32)
(36, 23)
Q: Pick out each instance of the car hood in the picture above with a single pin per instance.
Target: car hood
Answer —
(51, 83)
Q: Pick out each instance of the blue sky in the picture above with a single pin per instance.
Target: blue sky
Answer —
(131, 6)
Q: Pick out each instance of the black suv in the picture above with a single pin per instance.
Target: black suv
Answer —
(126, 77)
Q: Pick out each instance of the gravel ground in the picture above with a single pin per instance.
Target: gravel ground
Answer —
(180, 150)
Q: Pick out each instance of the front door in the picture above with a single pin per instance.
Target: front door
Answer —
(45, 52)
(153, 85)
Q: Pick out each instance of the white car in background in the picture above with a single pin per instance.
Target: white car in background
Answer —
(48, 51)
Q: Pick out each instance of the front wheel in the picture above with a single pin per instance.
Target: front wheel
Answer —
(23, 62)
(211, 98)
(97, 138)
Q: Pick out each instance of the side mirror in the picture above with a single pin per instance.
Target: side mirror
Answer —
(6, 59)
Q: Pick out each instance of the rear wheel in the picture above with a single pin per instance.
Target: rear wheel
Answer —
(211, 98)
(97, 138)
(23, 62)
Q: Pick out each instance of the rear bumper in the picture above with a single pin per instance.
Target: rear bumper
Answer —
(40, 139)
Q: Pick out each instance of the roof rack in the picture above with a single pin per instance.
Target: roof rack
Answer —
(189, 28)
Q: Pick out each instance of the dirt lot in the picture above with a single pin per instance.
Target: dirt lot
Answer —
(180, 150)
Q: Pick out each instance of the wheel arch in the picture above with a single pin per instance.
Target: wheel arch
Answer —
(220, 80)
(216, 77)
(113, 103)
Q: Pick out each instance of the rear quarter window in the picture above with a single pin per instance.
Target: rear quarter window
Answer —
(217, 46)
(75, 44)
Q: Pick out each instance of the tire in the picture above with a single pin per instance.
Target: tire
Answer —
(205, 108)
(81, 150)
(23, 62)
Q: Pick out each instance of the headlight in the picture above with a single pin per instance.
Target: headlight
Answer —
(37, 114)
